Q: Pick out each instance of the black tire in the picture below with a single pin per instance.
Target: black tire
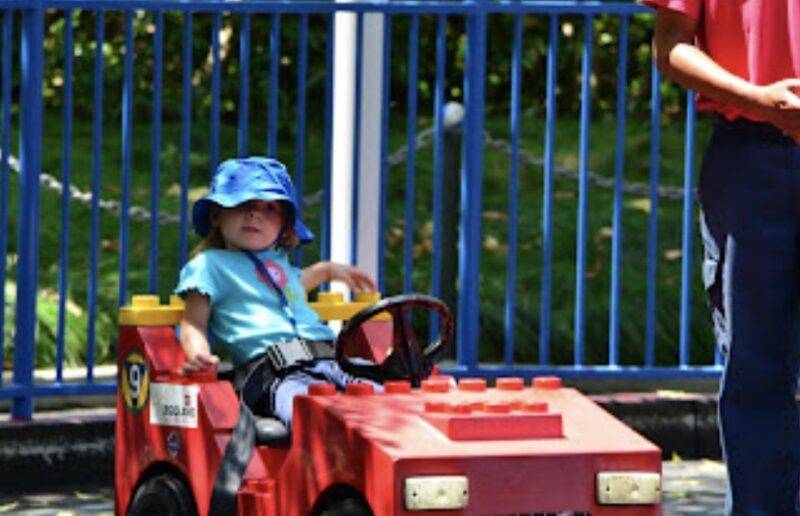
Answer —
(164, 494)
(347, 507)
(341, 500)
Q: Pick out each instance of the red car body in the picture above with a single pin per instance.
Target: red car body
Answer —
(522, 449)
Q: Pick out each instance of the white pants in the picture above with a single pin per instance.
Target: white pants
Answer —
(284, 390)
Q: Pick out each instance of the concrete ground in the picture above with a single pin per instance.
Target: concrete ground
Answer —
(690, 487)
(694, 487)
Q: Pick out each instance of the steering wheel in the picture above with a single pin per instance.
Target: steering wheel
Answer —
(406, 359)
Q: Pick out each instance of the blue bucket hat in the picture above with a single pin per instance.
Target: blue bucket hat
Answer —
(244, 179)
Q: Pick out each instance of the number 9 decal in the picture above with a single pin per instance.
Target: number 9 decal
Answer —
(134, 381)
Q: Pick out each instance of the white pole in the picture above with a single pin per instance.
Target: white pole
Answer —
(342, 141)
(342, 180)
(369, 186)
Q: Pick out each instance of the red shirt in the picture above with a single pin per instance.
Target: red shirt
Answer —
(758, 40)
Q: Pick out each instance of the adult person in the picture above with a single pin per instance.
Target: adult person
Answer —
(742, 57)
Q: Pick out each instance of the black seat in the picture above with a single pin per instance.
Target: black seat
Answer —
(226, 371)
(270, 431)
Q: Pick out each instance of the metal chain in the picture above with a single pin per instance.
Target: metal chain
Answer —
(423, 139)
(49, 182)
(136, 213)
(672, 193)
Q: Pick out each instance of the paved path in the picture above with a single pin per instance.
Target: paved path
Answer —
(690, 487)
(694, 487)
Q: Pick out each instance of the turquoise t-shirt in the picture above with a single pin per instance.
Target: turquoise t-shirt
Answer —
(246, 313)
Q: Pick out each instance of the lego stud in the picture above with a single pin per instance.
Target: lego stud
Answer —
(435, 407)
(460, 408)
(547, 382)
(397, 387)
(477, 406)
(472, 384)
(145, 301)
(516, 404)
(498, 407)
(436, 385)
(535, 407)
(367, 297)
(359, 389)
(321, 389)
(510, 384)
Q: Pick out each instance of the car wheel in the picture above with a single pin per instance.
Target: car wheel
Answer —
(351, 506)
(163, 494)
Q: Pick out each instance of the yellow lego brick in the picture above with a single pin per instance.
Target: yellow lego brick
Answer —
(148, 311)
(331, 306)
(368, 297)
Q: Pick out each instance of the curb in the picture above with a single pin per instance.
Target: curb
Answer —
(76, 447)
(681, 424)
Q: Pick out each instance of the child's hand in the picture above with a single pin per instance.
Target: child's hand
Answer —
(356, 280)
(200, 362)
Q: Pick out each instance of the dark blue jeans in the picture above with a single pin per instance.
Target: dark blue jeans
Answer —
(750, 198)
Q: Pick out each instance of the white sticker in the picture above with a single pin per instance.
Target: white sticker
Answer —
(173, 405)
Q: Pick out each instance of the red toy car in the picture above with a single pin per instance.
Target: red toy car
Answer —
(436, 448)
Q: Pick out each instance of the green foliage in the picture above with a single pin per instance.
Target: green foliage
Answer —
(498, 73)
(495, 253)
(47, 328)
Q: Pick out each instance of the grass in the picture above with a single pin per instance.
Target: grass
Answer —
(494, 255)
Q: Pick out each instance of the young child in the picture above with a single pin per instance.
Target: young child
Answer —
(242, 291)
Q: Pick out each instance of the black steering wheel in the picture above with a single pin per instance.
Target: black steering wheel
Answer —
(406, 358)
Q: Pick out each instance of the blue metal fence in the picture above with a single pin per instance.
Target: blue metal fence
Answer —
(29, 16)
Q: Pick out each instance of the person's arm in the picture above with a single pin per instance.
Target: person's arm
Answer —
(194, 337)
(679, 59)
(314, 275)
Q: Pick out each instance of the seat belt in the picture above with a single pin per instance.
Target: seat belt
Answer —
(239, 450)
(234, 463)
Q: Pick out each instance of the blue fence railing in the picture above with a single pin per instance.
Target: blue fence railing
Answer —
(129, 251)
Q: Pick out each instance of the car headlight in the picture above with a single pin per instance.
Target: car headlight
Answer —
(628, 487)
(436, 492)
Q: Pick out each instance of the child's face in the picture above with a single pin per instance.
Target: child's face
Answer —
(251, 226)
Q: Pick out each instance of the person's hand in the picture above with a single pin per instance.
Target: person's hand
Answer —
(200, 362)
(355, 279)
(780, 105)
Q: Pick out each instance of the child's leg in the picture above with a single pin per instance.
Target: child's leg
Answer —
(296, 383)
(284, 391)
(330, 370)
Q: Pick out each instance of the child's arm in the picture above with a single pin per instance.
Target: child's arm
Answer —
(194, 339)
(680, 60)
(321, 272)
